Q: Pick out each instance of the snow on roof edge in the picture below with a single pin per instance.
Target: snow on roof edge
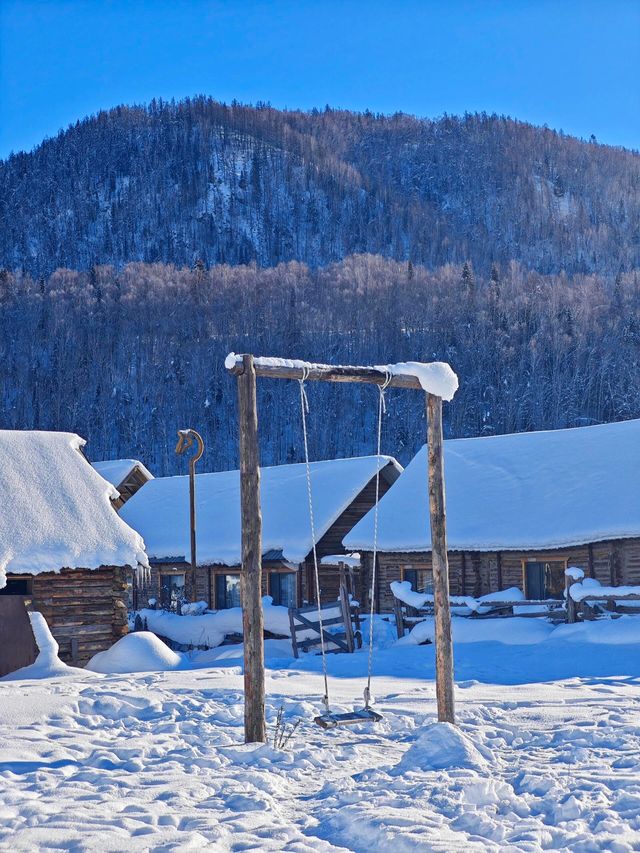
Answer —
(519, 492)
(489, 548)
(214, 547)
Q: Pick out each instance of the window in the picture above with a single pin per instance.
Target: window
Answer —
(413, 576)
(544, 579)
(227, 591)
(283, 588)
(171, 591)
(17, 586)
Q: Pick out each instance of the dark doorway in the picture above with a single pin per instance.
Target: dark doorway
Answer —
(544, 579)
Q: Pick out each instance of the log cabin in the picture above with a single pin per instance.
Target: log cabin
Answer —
(343, 492)
(126, 475)
(63, 548)
(520, 509)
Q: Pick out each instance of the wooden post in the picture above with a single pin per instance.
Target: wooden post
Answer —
(572, 610)
(590, 564)
(397, 609)
(345, 606)
(442, 612)
(251, 574)
(464, 574)
(186, 438)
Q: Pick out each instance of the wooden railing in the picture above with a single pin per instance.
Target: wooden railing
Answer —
(560, 610)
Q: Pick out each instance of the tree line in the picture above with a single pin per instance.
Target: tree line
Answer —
(125, 357)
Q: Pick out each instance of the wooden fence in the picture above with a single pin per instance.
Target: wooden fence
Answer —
(344, 614)
(590, 607)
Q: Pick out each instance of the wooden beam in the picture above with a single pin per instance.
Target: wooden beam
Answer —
(442, 611)
(251, 574)
(324, 373)
(590, 565)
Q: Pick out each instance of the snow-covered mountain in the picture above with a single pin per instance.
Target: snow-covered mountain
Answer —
(202, 182)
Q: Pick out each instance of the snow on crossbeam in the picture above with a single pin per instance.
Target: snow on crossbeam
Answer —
(435, 378)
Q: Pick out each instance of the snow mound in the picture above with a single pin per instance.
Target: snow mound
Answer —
(441, 746)
(615, 632)
(210, 629)
(514, 631)
(139, 652)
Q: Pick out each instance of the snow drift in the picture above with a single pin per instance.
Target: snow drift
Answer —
(139, 652)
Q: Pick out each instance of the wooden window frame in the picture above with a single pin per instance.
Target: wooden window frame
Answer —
(537, 558)
(408, 568)
(169, 573)
(28, 596)
(271, 572)
(215, 574)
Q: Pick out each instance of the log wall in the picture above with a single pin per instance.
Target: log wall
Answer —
(614, 563)
(85, 609)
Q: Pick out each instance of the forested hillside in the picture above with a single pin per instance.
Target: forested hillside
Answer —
(127, 357)
(201, 182)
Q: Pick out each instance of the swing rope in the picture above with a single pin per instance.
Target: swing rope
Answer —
(382, 409)
(304, 407)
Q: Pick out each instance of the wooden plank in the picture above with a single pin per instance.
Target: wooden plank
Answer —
(437, 514)
(629, 597)
(251, 574)
(313, 608)
(331, 638)
(336, 620)
(346, 611)
(324, 373)
(399, 614)
(294, 639)
(17, 644)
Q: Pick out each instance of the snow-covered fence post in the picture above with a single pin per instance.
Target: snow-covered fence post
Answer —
(251, 574)
(572, 576)
(439, 563)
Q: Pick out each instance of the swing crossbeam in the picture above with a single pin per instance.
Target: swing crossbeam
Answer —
(271, 369)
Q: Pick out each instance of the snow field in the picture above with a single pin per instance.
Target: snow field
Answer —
(156, 761)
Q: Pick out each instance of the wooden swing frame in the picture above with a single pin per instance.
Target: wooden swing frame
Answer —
(246, 368)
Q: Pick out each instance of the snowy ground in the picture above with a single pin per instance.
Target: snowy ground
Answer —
(548, 755)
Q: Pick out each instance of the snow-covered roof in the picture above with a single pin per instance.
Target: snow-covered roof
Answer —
(57, 508)
(116, 471)
(526, 491)
(160, 511)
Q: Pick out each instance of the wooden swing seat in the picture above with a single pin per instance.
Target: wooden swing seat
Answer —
(350, 718)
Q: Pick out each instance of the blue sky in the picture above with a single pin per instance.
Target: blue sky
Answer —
(570, 64)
